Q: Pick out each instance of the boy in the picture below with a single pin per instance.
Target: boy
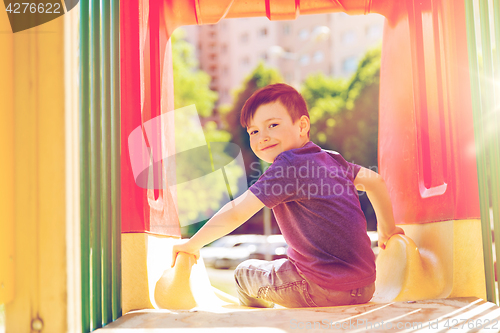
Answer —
(313, 197)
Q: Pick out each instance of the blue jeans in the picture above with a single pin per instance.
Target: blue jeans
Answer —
(261, 283)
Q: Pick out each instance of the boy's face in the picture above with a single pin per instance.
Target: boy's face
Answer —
(271, 131)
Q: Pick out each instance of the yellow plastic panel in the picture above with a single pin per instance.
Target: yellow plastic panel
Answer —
(51, 176)
(39, 180)
(135, 290)
(7, 165)
(148, 282)
(404, 272)
(468, 264)
(433, 260)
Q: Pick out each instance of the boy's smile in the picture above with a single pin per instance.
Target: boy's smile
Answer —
(271, 131)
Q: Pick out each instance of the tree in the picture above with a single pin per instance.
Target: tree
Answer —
(187, 76)
(344, 113)
(344, 116)
(260, 77)
(197, 200)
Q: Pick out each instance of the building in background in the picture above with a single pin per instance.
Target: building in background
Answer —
(230, 50)
(351, 37)
(307, 56)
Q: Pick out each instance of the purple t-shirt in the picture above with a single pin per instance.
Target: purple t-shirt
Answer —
(316, 205)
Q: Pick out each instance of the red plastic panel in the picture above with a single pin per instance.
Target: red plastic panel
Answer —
(426, 139)
(426, 142)
(147, 88)
(146, 93)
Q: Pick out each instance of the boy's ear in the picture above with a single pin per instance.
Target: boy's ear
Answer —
(305, 125)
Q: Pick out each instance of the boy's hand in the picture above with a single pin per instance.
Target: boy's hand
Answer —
(383, 237)
(228, 218)
(184, 247)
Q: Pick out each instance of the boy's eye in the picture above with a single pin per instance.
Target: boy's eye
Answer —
(273, 125)
(253, 132)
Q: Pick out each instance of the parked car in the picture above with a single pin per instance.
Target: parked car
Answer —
(229, 251)
(374, 241)
(275, 248)
(373, 238)
(235, 255)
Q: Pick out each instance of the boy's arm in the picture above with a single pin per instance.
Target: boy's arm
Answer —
(228, 218)
(374, 186)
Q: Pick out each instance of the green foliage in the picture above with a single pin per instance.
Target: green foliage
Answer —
(260, 77)
(319, 86)
(199, 192)
(344, 113)
(344, 116)
(191, 85)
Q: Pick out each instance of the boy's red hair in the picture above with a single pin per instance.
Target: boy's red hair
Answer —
(290, 98)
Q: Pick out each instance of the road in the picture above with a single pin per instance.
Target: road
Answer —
(222, 279)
